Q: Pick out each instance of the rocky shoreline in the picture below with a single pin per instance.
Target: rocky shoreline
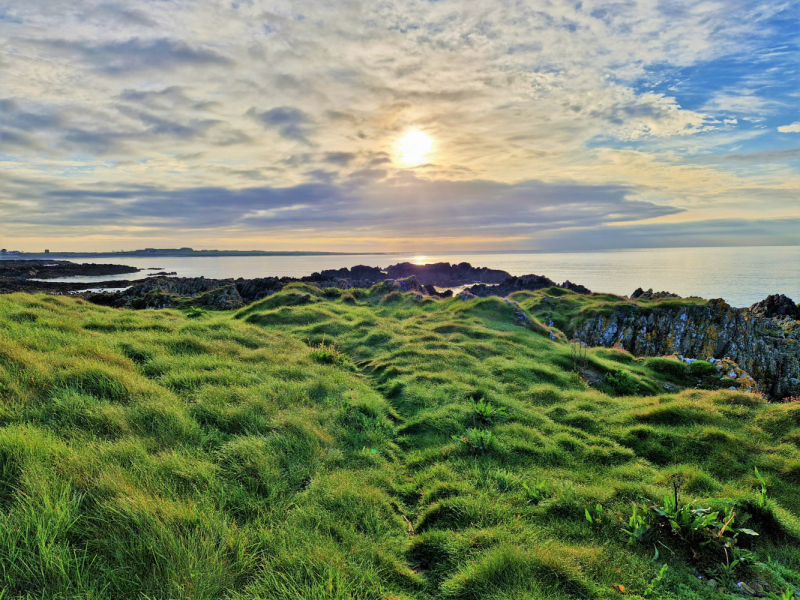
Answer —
(163, 289)
(763, 339)
(24, 270)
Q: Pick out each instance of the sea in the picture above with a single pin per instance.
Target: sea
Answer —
(742, 276)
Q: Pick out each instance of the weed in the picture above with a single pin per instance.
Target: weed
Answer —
(328, 354)
(788, 594)
(477, 440)
(578, 352)
(594, 517)
(656, 581)
(540, 491)
(485, 412)
(638, 528)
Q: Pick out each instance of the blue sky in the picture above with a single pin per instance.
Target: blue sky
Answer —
(553, 125)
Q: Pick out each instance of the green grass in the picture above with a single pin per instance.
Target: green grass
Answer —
(312, 446)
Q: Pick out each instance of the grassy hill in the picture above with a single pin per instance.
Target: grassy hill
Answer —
(373, 444)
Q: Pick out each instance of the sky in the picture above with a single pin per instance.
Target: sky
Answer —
(279, 125)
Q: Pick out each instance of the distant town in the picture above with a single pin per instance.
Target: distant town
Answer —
(167, 252)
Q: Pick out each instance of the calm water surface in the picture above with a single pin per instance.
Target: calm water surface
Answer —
(741, 276)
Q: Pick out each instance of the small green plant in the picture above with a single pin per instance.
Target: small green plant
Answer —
(761, 498)
(595, 517)
(622, 382)
(195, 312)
(477, 440)
(484, 411)
(540, 491)
(637, 526)
(328, 354)
(579, 354)
(657, 580)
(788, 594)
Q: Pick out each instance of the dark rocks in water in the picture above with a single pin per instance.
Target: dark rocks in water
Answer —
(11, 285)
(432, 291)
(50, 269)
(359, 272)
(530, 283)
(640, 294)
(776, 305)
(446, 275)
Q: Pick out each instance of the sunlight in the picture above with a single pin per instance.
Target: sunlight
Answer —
(414, 146)
(420, 260)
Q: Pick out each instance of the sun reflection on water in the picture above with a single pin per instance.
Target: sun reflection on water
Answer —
(420, 260)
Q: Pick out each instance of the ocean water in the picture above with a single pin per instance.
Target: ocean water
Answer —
(741, 276)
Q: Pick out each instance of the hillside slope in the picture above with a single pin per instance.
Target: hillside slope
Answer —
(372, 444)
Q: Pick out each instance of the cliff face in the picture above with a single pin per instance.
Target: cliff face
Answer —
(767, 348)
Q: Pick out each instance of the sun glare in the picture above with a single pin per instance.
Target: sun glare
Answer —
(414, 146)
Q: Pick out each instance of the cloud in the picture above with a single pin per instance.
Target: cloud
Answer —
(546, 116)
(135, 55)
(369, 201)
(793, 128)
(125, 16)
(693, 234)
(339, 158)
(290, 122)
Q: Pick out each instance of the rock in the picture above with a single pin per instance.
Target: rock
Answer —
(50, 269)
(776, 305)
(575, 287)
(433, 292)
(446, 275)
(361, 272)
(640, 294)
(408, 284)
(525, 282)
(707, 330)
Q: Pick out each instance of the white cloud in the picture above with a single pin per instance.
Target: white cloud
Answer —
(793, 128)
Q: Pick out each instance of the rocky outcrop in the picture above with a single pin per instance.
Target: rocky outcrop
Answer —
(575, 287)
(767, 348)
(50, 269)
(525, 282)
(359, 272)
(640, 294)
(446, 275)
(776, 305)
(165, 292)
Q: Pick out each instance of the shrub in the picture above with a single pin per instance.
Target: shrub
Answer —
(671, 367)
(622, 382)
(702, 368)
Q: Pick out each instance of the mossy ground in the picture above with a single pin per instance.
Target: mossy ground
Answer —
(176, 454)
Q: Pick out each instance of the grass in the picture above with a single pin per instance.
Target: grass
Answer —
(364, 445)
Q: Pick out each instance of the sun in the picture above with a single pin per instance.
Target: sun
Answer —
(414, 146)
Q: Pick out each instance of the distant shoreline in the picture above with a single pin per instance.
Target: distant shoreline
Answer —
(179, 254)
